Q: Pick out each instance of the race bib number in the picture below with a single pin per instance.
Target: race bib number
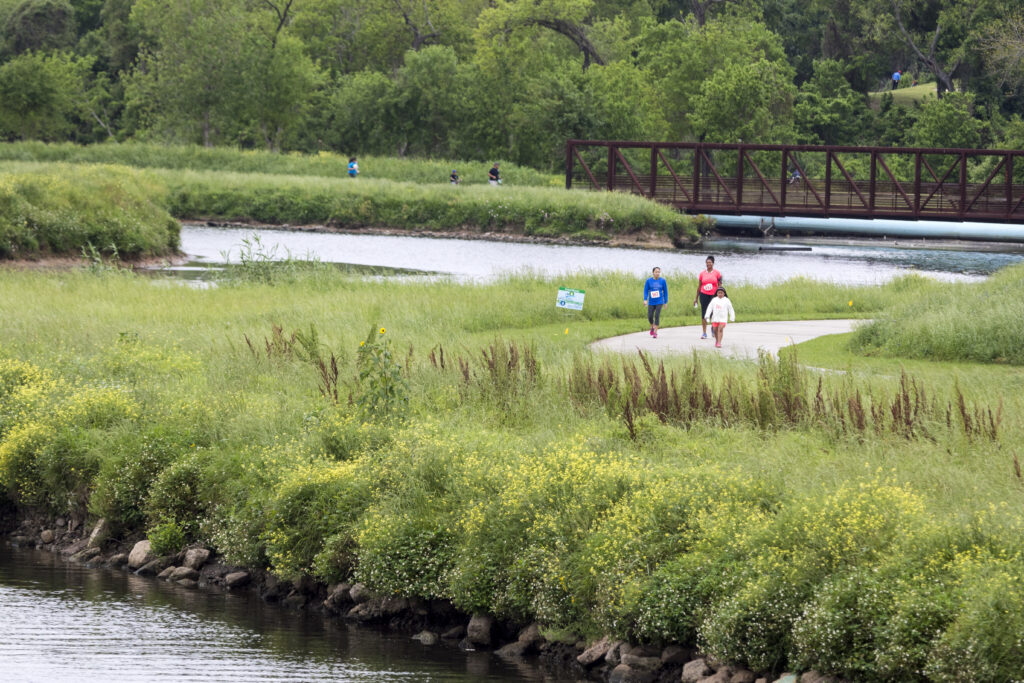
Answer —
(655, 295)
(708, 287)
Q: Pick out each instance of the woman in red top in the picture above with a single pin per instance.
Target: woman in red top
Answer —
(708, 283)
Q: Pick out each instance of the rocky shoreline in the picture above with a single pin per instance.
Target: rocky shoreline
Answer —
(430, 622)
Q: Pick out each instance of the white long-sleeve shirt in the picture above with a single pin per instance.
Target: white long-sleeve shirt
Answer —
(720, 310)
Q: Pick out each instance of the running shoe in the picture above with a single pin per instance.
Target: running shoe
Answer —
(652, 330)
(654, 334)
(718, 345)
(704, 335)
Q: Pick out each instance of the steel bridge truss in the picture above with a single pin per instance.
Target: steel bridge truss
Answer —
(807, 180)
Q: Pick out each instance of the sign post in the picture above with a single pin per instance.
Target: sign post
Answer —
(570, 298)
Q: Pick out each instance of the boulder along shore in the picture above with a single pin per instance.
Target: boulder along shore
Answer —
(432, 623)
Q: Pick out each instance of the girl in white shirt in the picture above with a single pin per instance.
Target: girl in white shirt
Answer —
(720, 311)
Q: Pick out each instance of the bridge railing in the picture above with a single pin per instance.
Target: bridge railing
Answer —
(807, 180)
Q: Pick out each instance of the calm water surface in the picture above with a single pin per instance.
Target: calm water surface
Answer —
(739, 259)
(63, 622)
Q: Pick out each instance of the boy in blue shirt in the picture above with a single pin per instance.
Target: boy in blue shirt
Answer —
(655, 296)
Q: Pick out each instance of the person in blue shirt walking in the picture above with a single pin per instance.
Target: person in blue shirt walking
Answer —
(353, 167)
(655, 298)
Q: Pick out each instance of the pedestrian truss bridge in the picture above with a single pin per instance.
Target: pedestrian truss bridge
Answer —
(807, 180)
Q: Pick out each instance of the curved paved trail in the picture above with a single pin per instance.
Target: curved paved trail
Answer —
(741, 340)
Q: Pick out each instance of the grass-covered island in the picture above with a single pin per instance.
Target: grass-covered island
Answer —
(104, 196)
(459, 444)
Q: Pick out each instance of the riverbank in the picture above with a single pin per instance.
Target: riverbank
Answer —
(433, 623)
(455, 442)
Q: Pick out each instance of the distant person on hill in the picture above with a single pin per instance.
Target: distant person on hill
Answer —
(719, 313)
(794, 176)
(708, 283)
(655, 298)
(353, 167)
(493, 176)
(896, 75)
(454, 177)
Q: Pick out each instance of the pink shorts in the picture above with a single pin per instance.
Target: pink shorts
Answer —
(714, 325)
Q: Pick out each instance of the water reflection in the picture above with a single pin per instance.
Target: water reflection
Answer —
(64, 622)
(482, 260)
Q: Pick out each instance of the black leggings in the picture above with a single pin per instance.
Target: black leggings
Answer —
(654, 314)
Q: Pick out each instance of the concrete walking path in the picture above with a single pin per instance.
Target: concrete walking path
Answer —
(741, 340)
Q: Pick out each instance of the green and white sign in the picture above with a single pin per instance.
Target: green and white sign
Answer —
(570, 298)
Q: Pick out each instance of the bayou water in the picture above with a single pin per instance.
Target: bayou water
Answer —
(61, 621)
(740, 259)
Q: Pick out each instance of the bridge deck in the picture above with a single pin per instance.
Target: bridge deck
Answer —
(852, 182)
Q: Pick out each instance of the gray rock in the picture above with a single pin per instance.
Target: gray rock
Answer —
(675, 654)
(626, 674)
(454, 633)
(595, 652)
(47, 536)
(614, 654)
(478, 631)
(696, 670)
(531, 634)
(761, 680)
(187, 583)
(365, 611)
(141, 554)
(426, 637)
(643, 651)
(166, 573)
(184, 573)
(153, 567)
(390, 607)
(720, 676)
(360, 593)
(237, 579)
(60, 522)
(788, 678)
(466, 646)
(99, 532)
(337, 597)
(295, 600)
(514, 649)
(743, 676)
(195, 558)
(813, 676)
(86, 555)
(639, 661)
(118, 559)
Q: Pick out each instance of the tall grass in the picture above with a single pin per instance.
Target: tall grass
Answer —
(978, 322)
(505, 487)
(324, 164)
(63, 209)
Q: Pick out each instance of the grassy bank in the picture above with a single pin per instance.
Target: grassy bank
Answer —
(980, 322)
(63, 209)
(857, 523)
(366, 202)
(226, 159)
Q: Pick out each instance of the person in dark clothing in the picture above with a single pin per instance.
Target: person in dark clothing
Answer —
(493, 176)
(454, 177)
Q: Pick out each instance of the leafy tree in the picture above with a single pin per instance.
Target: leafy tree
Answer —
(186, 83)
(424, 112)
(680, 57)
(746, 102)
(948, 123)
(40, 95)
(827, 110)
(568, 18)
(363, 114)
(39, 25)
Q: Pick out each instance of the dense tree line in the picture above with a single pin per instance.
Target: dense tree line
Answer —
(480, 79)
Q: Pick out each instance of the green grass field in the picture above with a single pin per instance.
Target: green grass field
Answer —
(904, 96)
(838, 518)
